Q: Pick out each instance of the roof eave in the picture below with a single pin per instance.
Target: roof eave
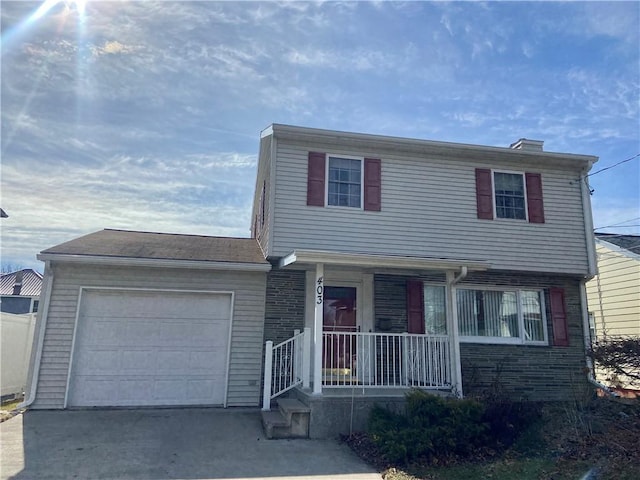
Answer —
(154, 262)
(379, 261)
(480, 152)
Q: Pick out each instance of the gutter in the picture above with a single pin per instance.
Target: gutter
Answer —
(587, 341)
(154, 262)
(38, 338)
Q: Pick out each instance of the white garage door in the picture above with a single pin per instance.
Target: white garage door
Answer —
(146, 348)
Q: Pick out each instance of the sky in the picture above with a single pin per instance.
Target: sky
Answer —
(146, 116)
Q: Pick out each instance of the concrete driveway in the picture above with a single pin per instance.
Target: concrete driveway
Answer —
(164, 444)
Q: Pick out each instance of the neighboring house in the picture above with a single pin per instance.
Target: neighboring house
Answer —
(614, 294)
(20, 291)
(403, 264)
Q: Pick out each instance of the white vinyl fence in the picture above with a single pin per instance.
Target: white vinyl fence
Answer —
(16, 335)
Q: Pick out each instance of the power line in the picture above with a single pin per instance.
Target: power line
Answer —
(620, 223)
(619, 226)
(612, 166)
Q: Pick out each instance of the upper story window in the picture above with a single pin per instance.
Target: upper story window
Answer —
(345, 182)
(509, 195)
(334, 180)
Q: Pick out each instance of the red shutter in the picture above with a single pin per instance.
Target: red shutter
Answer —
(372, 184)
(315, 179)
(415, 306)
(534, 197)
(484, 193)
(559, 317)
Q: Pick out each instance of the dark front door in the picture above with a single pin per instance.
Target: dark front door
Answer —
(339, 318)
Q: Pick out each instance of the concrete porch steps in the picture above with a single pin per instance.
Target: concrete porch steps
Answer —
(290, 420)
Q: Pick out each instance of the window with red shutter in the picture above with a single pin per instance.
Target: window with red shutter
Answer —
(559, 317)
(484, 193)
(505, 190)
(345, 189)
(372, 184)
(315, 179)
(415, 306)
(535, 205)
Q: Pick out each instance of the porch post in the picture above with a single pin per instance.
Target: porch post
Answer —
(452, 320)
(268, 366)
(317, 329)
(306, 357)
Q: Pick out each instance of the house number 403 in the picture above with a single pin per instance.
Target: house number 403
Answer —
(319, 291)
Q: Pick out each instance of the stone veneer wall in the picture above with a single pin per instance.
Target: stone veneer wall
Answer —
(528, 372)
(390, 293)
(284, 308)
(518, 371)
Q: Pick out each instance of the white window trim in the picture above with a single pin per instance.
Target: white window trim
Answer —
(326, 183)
(520, 340)
(524, 190)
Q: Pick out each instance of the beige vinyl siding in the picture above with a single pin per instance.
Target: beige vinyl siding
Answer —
(429, 209)
(614, 294)
(247, 324)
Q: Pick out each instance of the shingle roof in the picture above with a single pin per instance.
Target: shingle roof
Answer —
(31, 283)
(628, 242)
(162, 246)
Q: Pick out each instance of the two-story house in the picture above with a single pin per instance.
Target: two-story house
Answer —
(376, 264)
(426, 264)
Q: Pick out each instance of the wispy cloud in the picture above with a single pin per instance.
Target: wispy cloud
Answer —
(146, 115)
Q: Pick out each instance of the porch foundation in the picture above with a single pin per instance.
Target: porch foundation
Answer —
(343, 411)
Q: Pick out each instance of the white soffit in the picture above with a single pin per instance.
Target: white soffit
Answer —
(379, 261)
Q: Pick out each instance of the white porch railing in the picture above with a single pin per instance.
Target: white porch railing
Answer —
(384, 360)
(286, 365)
(356, 359)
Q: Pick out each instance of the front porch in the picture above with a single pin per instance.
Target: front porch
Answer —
(359, 370)
(363, 335)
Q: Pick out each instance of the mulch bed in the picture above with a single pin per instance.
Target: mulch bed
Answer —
(603, 433)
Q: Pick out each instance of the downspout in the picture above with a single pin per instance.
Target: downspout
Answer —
(455, 341)
(463, 274)
(587, 343)
(588, 224)
(592, 271)
(38, 338)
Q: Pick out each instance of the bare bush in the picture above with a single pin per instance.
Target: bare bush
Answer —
(620, 356)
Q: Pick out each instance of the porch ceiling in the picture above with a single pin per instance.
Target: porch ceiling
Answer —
(311, 257)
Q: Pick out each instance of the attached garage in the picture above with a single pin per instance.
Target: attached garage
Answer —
(133, 319)
(150, 348)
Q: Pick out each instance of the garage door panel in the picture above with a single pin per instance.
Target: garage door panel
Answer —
(103, 331)
(201, 389)
(137, 348)
(137, 361)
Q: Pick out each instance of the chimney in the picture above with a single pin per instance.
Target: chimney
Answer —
(528, 145)
(17, 284)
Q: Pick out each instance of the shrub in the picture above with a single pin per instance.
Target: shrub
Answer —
(432, 426)
(507, 419)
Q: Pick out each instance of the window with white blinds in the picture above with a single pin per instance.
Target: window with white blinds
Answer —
(435, 310)
(502, 316)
